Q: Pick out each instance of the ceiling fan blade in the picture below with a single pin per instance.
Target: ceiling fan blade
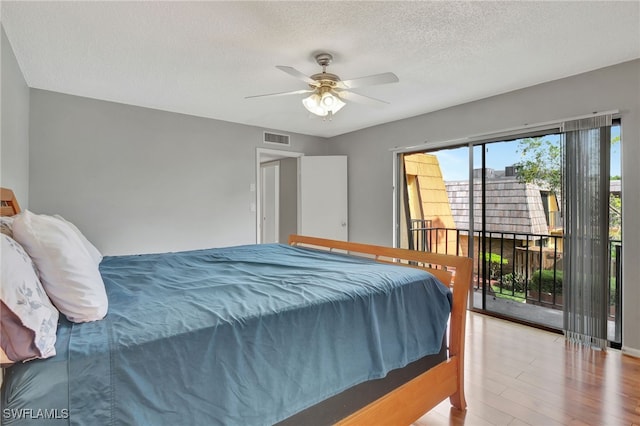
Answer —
(295, 92)
(362, 99)
(371, 80)
(297, 74)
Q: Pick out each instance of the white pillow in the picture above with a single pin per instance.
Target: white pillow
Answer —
(28, 319)
(93, 251)
(68, 272)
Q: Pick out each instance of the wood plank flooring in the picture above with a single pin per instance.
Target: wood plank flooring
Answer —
(518, 375)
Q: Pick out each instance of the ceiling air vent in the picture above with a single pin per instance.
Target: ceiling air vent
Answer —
(276, 139)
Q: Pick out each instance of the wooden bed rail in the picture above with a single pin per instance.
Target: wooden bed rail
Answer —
(438, 264)
(409, 402)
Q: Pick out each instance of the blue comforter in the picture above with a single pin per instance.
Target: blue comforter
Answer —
(243, 335)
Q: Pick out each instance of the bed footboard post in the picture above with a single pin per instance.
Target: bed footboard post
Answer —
(462, 285)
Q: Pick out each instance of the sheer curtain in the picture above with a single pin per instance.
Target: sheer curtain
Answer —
(586, 229)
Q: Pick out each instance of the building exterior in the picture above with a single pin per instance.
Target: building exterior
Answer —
(522, 223)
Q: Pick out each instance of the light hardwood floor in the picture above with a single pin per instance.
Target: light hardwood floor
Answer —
(518, 375)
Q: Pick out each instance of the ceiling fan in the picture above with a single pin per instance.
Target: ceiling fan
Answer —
(328, 92)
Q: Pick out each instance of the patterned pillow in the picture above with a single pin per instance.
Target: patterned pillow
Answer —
(28, 319)
(6, 225)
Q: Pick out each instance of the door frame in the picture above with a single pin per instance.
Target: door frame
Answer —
(264, 155)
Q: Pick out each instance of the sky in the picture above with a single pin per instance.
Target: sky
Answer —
(454, 163)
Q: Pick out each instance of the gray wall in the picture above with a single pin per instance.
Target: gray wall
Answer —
(616, 87)
(138, 180)
(14, 138)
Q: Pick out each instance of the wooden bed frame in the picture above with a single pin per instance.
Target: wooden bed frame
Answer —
(409, 402)
(8, 203)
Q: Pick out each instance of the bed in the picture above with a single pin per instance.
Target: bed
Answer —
(312, 332)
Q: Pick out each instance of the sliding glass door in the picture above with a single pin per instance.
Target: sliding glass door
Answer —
(519, 229)
(502, 203)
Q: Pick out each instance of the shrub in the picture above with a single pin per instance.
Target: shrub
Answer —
(495, 260)
(513, 281)
(544, 279)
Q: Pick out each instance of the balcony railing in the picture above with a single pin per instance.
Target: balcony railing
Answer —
(521, 266)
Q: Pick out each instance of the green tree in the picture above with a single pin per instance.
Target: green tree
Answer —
(615, 216)
(540, 163)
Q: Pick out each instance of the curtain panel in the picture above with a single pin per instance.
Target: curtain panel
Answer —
(586, 229)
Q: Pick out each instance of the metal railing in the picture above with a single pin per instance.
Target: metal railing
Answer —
(518, 265)
(615, 286)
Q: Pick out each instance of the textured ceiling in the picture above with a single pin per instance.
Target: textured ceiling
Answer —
(203, 58)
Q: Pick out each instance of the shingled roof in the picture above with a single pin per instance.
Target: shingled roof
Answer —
(512, 206)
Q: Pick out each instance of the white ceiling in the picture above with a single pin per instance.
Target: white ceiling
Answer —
(203, 58)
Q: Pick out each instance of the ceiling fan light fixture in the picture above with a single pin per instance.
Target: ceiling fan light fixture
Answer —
(327, 100)
(323, 104)
(336, 104)
(313, 104)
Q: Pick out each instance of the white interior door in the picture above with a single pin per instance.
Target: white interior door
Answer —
(270, 202)
(322, 198)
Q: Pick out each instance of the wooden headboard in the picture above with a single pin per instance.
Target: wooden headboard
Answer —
(8, 203)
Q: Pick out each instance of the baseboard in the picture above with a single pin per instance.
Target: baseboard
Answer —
(631, 352)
